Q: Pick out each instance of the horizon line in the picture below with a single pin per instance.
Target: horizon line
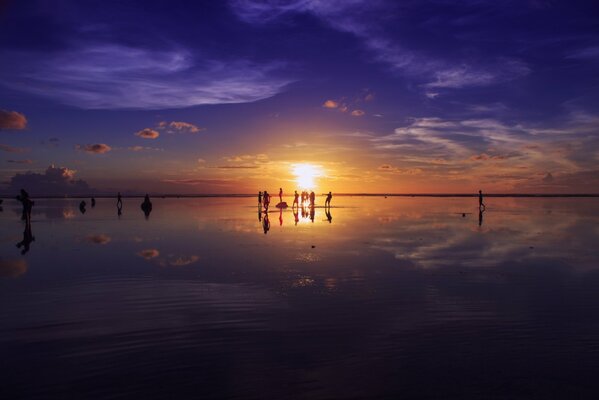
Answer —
(244, 195)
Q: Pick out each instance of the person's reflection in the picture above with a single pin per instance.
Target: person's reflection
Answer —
(265, 223)
(281, 216)
(146, 206)
(119, 209)
(296, 215)
(260, 213)
(27, 238)
(327, 212)
(82, 207)
(312, 213)
(480, 216)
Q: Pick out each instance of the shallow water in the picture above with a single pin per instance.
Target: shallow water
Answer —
(390, 298)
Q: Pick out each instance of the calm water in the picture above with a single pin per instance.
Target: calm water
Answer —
(392, 298)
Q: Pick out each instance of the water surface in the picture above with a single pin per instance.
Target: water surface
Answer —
(380, 298)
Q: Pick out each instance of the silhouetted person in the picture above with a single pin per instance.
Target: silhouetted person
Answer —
(260, 198)
(480, 200)
(312, 198)
(82, 207)
(295, 199)
(480, 216)
(327, 202)
(27, 238)
(312, 212)
(93, 202)
(327, 211)
(146, 206)
(280, 195)
(27, 203)
(119, 203)
(265, 223)
(266, 200)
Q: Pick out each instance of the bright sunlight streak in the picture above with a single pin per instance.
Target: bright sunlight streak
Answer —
(306, 174)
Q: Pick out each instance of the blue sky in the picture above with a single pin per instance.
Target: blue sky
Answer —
(380, 96)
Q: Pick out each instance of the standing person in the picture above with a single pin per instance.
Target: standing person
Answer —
(27, 203)
(119, 200)
(259, 197)
(327, 202)
(266, 198)
(312, 198)
(481, 205)
(93, 202)
(280, 195)
(295, 199)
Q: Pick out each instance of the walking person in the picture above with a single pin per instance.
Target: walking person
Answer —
(327, 202)
(266, 200)
(295, 199)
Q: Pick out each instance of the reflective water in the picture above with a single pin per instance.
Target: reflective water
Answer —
(382, 298)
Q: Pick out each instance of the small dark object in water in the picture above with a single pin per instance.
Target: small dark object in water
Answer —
(313, 246)
(463, 215)
(82, 207)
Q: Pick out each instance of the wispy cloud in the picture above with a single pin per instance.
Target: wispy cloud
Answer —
(11, 149)
(362, 19)
(20, 161)
(111, 76)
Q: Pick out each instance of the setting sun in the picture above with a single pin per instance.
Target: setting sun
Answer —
(306, 174)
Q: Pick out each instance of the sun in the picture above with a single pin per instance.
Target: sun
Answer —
(306, 174)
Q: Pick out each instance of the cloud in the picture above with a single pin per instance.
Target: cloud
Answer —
(12, 268)
(587, 53)
(548, 178)
(486, 157)
(101, 239)
(10, 149)
(362, 19)
(467, 75)
(256, 158)
(179, 127)
(194, 181)
(149, 254)
(113, 76)
(330, 104)
(54, 181)
(237, 167)
(20, 161)
(147, 133)
(142, 148)
(12, 120)
(201, 161)
(179, 261)
(399, 171)
(98, 148)
(357, 113)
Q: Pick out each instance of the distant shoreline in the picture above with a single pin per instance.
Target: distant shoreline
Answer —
(192, 196)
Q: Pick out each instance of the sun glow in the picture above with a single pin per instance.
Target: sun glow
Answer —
(306, 174)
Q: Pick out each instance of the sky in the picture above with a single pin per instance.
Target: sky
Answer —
(348, 96)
